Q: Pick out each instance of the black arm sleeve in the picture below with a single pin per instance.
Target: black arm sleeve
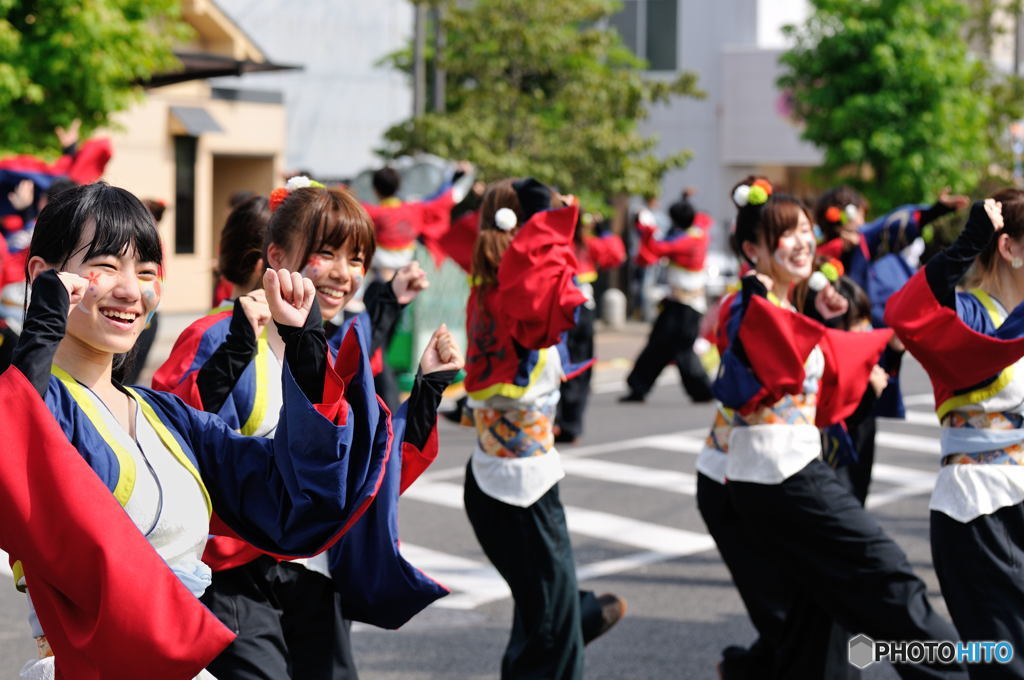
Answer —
(44, 328)
(945, 270)
(221, 372)
(385, 311)
(934, 212)
(305, 350)
(423, 404)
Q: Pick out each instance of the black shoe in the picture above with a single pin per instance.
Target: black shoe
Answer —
(564, 437)
(613, 608)
(632, 397)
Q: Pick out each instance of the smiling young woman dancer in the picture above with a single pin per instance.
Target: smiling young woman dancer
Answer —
(94, 264)
(971, 343)
(785, 376)
(290, 616)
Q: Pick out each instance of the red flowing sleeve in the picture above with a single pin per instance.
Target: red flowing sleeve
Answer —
(849, 358)
(954, 355)
(607, 251)
(103, 620)
(777, 343)
(536, 291)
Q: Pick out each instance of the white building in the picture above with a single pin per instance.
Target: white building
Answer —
(742, 127)
(341, 103)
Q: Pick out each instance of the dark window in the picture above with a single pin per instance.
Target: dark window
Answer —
(185, 195)
(627, 22)
(662, 29)
(650, 29)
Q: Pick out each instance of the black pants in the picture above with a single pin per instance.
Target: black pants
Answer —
(756, 569)
(576, 392)
(672, 337)
(288, 620)
(857, 476)
(844, 569)
(531, 550)
(980, 566)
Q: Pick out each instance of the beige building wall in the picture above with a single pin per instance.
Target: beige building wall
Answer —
(248, 153)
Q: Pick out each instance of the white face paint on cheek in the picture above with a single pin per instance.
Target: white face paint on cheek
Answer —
(786, 245)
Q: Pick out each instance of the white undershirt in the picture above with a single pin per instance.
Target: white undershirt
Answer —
(175, 504)
(522, 481)
(967, 491)
(772, 453)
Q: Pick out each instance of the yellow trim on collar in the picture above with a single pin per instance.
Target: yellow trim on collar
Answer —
(171, 444)
(18, 569)
(587, 277)
(508, 389)
(126, 464)
(988, 391)
(259, 403)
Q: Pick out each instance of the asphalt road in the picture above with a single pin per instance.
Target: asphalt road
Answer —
(629, 492)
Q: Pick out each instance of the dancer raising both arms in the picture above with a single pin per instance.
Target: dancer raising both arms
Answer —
(94, 263)
(971, 344)
(522, 302)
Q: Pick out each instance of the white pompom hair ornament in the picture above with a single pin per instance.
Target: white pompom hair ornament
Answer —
(505, 219)
(851, 212)
(298, 182)
(741, 195)
(817, 282)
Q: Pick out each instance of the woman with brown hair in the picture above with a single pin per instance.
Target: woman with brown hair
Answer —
(293, 617)
(523, 300)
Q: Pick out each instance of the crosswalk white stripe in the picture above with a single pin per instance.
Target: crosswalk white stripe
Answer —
(472, 583)
(635, 475)
(919, 400)
(917, 418)
(907, 442)
(593, 523)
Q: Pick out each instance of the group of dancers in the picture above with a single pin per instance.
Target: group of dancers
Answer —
(807, 363)
(234, 519)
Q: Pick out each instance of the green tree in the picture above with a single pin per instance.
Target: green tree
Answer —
(887, 91)
(68, 59)
(542, 88)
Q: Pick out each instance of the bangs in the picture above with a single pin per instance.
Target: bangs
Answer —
(779, 216)
(123, 226)
(344, 223)
(123, 229)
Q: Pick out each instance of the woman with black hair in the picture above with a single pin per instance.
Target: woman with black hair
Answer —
(94, 265)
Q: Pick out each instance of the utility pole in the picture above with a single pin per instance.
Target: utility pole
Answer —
(436, 15)
(419, 66)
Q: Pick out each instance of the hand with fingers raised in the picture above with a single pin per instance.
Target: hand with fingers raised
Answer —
(290, 296)
(75, 285)
(442, 353)
(256, 309)
(408, 282)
